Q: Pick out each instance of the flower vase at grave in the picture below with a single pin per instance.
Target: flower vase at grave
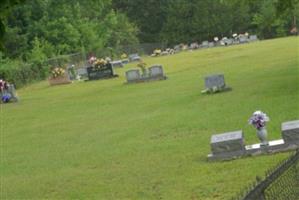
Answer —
(144, 72)
(262, 135)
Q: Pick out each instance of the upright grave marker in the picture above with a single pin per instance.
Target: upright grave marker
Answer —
(134, 57)
(290, 132)
(228, 144)
(253, 38)
(82, 73)
(133, 75)
(215, 83)
(205, 44)
(117, 63)
(156, 71)
(216, 80)
(96, 73)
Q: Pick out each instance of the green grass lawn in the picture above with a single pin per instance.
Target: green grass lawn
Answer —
(109, 140)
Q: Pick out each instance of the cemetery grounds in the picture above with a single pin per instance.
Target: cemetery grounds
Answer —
(109, 140)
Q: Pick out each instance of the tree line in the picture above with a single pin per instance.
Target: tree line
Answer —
(174, 21)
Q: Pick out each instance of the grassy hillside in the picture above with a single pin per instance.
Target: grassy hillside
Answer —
(109, 140)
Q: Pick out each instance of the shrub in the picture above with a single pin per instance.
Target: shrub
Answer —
(19, 73)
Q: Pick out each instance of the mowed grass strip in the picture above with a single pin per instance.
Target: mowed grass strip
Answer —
(110, 140)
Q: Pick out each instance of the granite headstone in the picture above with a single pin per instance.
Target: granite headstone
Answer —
(231, 142)
(156, 71)
(216, 80)
(253, 38)
(100, 72)
(117, 63)
(133, 75)
(205, 44)
(290, 132)
(134, 57)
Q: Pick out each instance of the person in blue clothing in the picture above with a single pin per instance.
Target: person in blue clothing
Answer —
(5, 95)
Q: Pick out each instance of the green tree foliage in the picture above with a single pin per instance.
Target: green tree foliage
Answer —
(175, 21)
(40, 29)
(149, 15)
(66, 27)
(266, 22)
(5, 7)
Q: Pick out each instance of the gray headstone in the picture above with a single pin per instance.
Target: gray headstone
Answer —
(253, 38)
(134, 57)
(211, 44)
(117, 63)
(243, 39)
(155, 71)
(125, 61)
(216, 80)
(228, 142)
(177, 48)
(205, 44)
(290, 132)
(82, 71)
(133, 75)
(226, 41)
(230, 41)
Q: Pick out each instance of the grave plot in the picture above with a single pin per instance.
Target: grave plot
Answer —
(59, 77)
(231, 145)
(153, 73)
(101, 72)
(100, 69)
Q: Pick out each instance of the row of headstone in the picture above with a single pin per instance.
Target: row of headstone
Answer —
(154, 73)
(242, 38)
(231, 145)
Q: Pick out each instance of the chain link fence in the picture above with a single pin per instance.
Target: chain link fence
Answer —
(281, 183)
(80, 59)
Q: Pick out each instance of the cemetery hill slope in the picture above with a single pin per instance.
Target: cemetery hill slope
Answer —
(109, 140)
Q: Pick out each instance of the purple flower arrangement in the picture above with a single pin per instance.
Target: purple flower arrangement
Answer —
(259, 119)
